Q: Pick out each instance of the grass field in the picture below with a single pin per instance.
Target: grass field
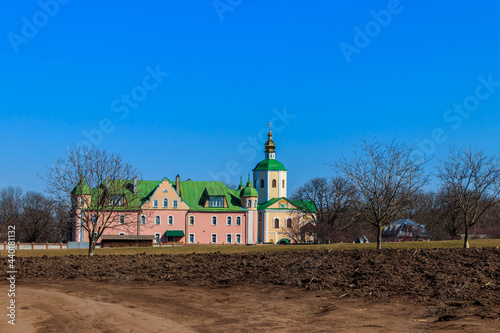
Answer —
(257, 248)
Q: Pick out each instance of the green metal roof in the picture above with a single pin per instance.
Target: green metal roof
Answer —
(174, 233)
(307, 206)
(81, 188)
(270, 164)
(197, 193)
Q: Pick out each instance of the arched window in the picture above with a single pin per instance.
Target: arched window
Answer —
(157, 220)
(229, 220)
(283, 183)
(191, 220)
(276, 223)
(122, 219)
(238, 220)
(289, 223)
(262, 183)
(255, 203)
(274, 183)
(143, 219)
(170, 220)
(249, 203)
(214, 220)
(165, 203)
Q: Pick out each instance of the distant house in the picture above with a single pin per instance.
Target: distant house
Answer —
(405, 230)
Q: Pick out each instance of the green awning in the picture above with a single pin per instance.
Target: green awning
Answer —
(174, 233)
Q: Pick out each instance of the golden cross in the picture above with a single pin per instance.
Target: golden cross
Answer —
(270, 126)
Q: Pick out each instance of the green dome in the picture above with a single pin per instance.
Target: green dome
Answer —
(269, 164)
(249, 191)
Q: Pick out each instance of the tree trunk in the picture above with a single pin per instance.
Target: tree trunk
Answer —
(92, 242)
(379, 237)
(466, 237)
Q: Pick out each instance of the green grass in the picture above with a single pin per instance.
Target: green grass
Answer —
(260, 248)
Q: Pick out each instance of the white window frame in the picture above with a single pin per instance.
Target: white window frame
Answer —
(193, 218)
(238, 221)
(155, 203)
(165, 200)
(170, 217)
(286, 222)
(212, 238)
(157, 220)
(175, 203)
(279, 222)
(236, 236)
(120, 218)
(194, 239)
(142, 220)
(229, 220)
(157, 240)
(230, 238)
(249, 203)
(212, 220)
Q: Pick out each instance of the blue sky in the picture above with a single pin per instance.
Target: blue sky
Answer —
(327, 73)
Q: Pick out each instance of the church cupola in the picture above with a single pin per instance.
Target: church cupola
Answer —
(270, 145)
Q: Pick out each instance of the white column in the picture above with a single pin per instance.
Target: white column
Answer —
(266, 238)
(250, 239)
(280, 187)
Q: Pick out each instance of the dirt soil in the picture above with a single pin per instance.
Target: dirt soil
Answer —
(291, 291)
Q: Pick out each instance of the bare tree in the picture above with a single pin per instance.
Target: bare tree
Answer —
(10, 208)
(331, 211)
(384, 176)
(99, 184)
(37, 218)
(472, 182)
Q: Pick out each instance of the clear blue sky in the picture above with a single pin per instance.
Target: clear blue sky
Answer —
(66, 69)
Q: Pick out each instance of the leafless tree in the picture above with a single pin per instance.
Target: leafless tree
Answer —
(104, 184)
(10, 208)
(331, 211)
(384, 176)
(472, 182)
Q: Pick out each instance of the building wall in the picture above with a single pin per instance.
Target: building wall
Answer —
(203, 228)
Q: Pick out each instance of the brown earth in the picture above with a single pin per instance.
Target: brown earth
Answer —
(290, 291)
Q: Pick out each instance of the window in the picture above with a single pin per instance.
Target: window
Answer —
(94, 219)
(143, 219)
(229, 220)
(115, 200)
(122, 219)
(155, 203)
(157, 237)
(191, 238)
(274, 183)
(214, 220)
(289, 222)
(82, 201)
(262, 183)
(174, 203)
(228, 238)
(170, 220)
(214, 238)
(158, 220)
(238, 220)
(249, 203)
(165, 203)
(191, 220)
(283, 183)
(121, 234)
(238, 239)
(216, 201)
(276, 223)
(255, 203)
